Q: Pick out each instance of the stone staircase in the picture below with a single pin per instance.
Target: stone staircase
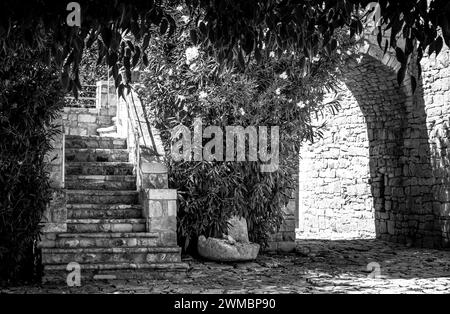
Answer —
(106, 227)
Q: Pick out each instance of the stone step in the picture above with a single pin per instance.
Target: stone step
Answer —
(99, 168)
(106, 225)
(96, 155)
(73, 141)
(57, 273)
(110, 131)
(101, 197)
(102, 211)
(103, 239)
(132, 255)
(100, 182)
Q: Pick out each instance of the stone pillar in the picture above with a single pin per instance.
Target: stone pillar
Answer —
(160, 210)
(153, 174)
(55, 217)
(284, 239)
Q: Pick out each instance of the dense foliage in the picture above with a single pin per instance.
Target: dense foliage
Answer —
(30, 98)
(184, 82)
(237, 29)
(233, 29)
(90, 71)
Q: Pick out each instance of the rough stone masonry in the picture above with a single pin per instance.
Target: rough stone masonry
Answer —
(384, 157)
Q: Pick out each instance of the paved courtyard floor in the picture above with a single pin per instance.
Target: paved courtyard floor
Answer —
(318, 266)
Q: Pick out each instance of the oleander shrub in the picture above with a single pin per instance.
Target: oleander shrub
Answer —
(30, 98)
(183, 82)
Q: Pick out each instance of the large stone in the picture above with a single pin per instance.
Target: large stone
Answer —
(238, 229)
(222, 250)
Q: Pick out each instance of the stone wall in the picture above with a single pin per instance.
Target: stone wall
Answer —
(382, 165)
(334, 188)
(73, 121)
(86, 121)
(55, 216)
(284, 239)
(430, 161)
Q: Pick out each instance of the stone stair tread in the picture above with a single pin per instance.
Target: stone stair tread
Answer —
(99, 168)
(92, 149)
(116, 177)
(96, 154)
(112, 250)
(102, 196)
(102, 192)
(123, 266)
(103, 239)
(101, 182)
(94, 142)
(106, 221)
(101, 163)
(104, 213)
(103, 206)
(93, 137)
(111, 255)
(74, 141)
(109, 235)
(106, 230)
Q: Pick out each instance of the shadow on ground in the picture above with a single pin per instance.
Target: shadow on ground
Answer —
(317, 266)
(395, 261)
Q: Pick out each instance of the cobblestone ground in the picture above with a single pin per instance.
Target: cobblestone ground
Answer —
(318, 266)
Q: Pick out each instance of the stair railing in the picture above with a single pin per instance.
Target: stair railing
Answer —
(142, 138)
(159, 203)
(147, 153)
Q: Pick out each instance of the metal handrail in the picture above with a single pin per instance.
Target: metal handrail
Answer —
(136, 137)
(137, 127)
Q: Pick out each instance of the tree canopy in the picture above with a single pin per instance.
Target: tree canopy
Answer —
(236, 29)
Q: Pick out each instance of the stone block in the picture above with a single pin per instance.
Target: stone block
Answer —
(72, 117)
(104, 121)
(290, 208)
(155, 209)
(161, 194)
(276, 237)
(155, 180)
(237, 229)
(171, 208)
(158, 224)
(56, 177)
(288, 225)
(391, 227)
(153, 167)
(87, 118)
(47, 216)
(54, 227)
(168, 238)
(121, 227)
(57, 206)
(382, 227)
